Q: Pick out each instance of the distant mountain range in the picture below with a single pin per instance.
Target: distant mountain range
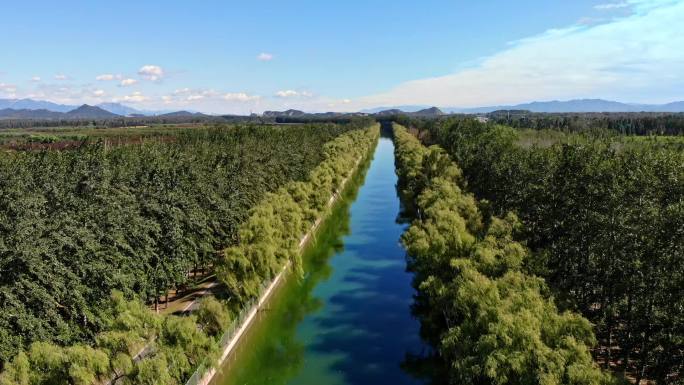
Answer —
(182, 114)
(83, 112)
(40, 109)
(425, 112)
(320, 115)
(576, 105)
(30, 104)
(288, 113)
(120, 109)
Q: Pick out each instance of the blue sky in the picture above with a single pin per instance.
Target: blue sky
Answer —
(236, 57)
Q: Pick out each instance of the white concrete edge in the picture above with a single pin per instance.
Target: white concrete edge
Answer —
(209, 374)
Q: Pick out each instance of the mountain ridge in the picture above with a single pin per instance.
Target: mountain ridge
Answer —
(84, 111)
(576, 105)
(40, 109)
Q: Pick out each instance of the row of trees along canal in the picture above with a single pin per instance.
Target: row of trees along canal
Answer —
(87, 232)
(604, 217)
(490, 321)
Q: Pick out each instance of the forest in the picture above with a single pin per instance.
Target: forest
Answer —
(490, 321)
(624, 123)
(605, 225)
(90, 235)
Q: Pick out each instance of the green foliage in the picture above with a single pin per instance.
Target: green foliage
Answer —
(172, 229)
(212, 316)
(45, 363)
(271, 234)
(626, 123)
(153, 371)
(490, 321)
(139, 347)
(137, 218)
(605, 220)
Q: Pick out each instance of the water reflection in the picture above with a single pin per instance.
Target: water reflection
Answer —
(348, 321)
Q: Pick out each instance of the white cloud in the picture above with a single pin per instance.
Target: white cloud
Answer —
(264, 56)
(189, 95)
(98, 93)
(240, 97)
(61, 77)
(35, 79)
(293, 94)
(128, 82)
(8, 89)
(151, 72)
(609, 6)
(108, 77)
(136, 97)
(182, 91)
(637, 58)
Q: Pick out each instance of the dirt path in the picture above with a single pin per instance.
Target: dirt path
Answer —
(189, 299)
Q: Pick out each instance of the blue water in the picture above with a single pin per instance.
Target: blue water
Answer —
(348, 321)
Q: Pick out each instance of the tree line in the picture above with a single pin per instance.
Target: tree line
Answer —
(623, 123)
(272, 233)
(606, 224)
(489, 320)
(595, 123)
(77, 224)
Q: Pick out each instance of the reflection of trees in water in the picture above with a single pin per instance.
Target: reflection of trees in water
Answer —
(427, 367)
(275, 356)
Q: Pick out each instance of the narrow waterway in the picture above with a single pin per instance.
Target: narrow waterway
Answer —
(348, 320)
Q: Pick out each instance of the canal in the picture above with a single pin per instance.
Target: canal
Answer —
(347, 320)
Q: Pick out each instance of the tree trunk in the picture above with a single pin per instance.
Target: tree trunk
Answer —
(644, 353)
(609, 356)
(627, 344)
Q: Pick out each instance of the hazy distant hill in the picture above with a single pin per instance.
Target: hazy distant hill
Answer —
(83, 112)
(391, 111)
(182, 114)
(426, 112)
(120, 109)
(10, 113)
(30, 104)
(577, 105)
(405, 108)
(89, 112)
(673, 107)
(288, 113)
(432, 111)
